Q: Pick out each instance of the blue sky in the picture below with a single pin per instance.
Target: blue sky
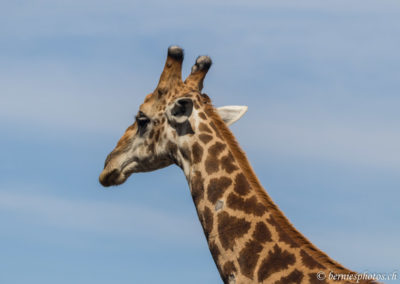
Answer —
(321, 80)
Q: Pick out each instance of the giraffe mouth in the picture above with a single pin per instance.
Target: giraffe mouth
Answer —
(117, 176)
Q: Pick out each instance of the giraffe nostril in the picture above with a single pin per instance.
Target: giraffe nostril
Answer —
(109, 178)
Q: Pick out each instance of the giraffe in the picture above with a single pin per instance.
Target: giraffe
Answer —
(250, 239)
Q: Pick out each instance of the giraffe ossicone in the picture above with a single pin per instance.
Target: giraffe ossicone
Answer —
(250, 239)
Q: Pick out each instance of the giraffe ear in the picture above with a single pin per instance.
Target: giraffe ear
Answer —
(231, 114)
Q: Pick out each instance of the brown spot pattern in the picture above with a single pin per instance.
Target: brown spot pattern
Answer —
(294, 277)
(214, 251)
(205, 138)
(227, 163)
(228, 269)
(202, 115)
(151, 134)
(172, 148)
(197, 188)
(309, 261)
(212, 124)
(217, 187)
(204, 128)
(283, 235)
(186, 153)
(249, 205)
(242, 186)
(216, 149)
(207, 110)
(262, 233)
(211, 164)
(197, 152)
(277, 260)
(230, 228)
(208, 221)
(157, 137)
(248, 258)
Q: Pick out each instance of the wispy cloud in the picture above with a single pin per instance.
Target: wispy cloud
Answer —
(352, 139)
(98, 17)
(104, 218)
(60, 100)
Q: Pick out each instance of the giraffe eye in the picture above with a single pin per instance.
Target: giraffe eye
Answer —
(142, 121)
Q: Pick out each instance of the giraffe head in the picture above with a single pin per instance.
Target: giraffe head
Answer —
(166, 123)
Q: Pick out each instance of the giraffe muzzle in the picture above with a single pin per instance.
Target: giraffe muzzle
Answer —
(108, 178)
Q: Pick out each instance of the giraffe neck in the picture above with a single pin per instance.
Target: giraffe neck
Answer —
(249, 237)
